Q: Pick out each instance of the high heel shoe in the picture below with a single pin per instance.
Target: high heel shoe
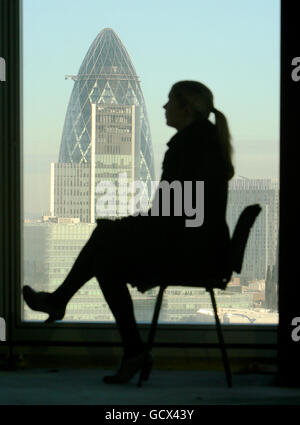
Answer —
(42, 301)
(129, 366)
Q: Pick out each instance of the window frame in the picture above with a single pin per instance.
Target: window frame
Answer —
(250, 336)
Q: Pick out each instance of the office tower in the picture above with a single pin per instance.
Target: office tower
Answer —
(262, 244)
(106, 132)
(271, 298)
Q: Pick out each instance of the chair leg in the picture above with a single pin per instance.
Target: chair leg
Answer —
(153, 328)
(221, 339)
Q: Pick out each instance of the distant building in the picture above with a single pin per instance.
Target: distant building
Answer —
(50, 249)
(262, 244)
(35, 256)
(271, 293)
(106, 133)
(183, 304)
(76, 188)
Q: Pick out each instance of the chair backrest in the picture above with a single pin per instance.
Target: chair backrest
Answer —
(240, 235)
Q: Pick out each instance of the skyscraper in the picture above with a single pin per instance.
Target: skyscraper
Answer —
(106, 131)
(262, 244)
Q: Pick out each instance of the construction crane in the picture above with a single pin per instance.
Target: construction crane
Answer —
(73, 77)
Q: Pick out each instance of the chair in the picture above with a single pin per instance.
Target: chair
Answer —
(237, 249)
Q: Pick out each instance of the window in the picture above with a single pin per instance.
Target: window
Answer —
(56, 122)
(43, 147)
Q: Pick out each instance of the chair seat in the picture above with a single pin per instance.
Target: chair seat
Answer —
(219, 283)
(209, 282)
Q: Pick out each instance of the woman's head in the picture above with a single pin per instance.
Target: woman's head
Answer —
(190, 101)
(194, 95)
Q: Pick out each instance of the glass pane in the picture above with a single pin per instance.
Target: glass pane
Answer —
(93, 113)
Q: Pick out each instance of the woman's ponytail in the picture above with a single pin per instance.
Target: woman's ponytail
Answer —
(225, 140)
(201, 99)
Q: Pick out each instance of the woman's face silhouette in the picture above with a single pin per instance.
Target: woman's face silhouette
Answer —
(177, 115)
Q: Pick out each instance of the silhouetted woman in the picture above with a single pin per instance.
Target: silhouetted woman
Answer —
(147, 251)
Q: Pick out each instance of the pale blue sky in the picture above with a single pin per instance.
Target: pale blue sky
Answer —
(232, 46)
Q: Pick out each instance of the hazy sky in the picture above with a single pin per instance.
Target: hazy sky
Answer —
(232, 46)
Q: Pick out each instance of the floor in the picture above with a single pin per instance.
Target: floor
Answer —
(166, 387)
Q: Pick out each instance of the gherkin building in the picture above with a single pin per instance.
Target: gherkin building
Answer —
(106, 76)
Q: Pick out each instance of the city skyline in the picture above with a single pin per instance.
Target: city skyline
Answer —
(250, 297)
(106, 133)
(249, 99)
